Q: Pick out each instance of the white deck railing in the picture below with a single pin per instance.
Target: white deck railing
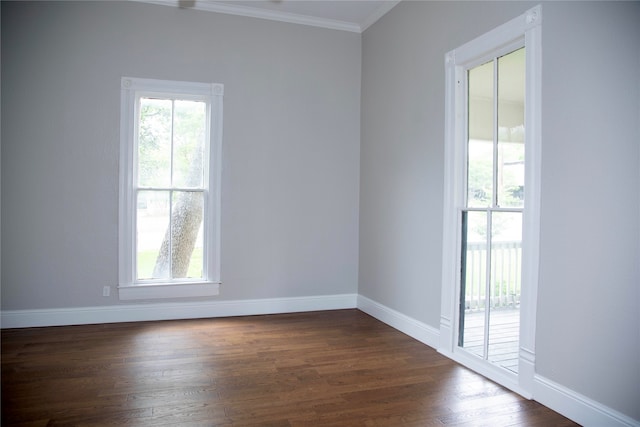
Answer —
(506, 273)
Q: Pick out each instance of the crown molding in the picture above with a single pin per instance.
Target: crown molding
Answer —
(378, 13)
(254, 12)
(292, 18)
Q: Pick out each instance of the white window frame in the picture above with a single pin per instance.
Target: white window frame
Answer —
(525, 30)
(132, 89)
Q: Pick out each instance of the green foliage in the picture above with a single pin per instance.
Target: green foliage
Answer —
(166, 125)
(154, 142)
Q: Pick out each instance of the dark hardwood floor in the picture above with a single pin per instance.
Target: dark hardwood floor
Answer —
(333, 368)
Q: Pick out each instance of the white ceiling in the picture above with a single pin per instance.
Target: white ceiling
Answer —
(346, 15)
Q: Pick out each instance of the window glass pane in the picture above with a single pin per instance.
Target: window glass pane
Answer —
(186, 235)
(188, 143)
(506, 273)
(511, 75)
(474, 276)
(152, 221)
(154, 143)
(196, 264)
(481, 128)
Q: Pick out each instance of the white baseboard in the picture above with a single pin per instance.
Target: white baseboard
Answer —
(579, 408)
(408, 325)
(173, 310)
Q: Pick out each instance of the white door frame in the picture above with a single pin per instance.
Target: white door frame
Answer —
(525, 30)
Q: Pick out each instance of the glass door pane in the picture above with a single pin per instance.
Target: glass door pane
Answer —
(510, 167)
(481, 130)
(489, 322)
(504, 296)
(473, 296)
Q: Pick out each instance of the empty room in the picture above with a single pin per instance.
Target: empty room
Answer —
(307, 213)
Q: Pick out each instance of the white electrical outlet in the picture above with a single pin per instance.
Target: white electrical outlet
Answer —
(106, 291)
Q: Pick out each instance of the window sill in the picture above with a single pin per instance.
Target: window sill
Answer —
(177, 290)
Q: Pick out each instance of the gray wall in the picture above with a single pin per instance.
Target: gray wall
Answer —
(589, 296)
(290, 147)
(293, 162)
(588, 321)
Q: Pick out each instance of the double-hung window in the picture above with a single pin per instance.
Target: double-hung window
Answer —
(169, 219)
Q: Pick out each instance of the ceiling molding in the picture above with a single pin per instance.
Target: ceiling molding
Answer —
(292, 18)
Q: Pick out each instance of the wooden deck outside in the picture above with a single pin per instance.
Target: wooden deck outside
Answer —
(503, 336)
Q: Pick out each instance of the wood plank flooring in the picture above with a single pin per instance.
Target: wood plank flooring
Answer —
(332, 368)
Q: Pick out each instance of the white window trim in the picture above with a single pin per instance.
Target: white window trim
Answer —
(525, 30)
(128, 289)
